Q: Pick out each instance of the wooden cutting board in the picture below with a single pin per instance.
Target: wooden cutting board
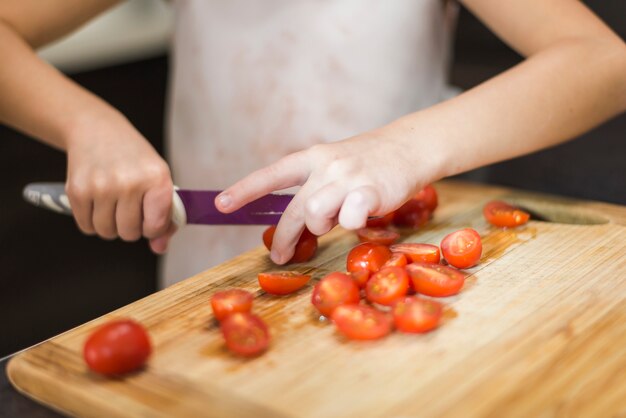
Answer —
(538, 330)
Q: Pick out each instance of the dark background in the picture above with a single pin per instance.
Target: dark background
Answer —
(53, 278)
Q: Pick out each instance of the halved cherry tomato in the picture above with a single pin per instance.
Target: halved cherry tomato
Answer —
(418, 253)
(117, 347)
(413, 314)
(334, 290)
(282, 282)
(377, 236)
(230, 301)
(305, 248)
(428, 195)
(380, 222)
(503, 215)
(396, 260)
(359, 322)
(387, 286)
(245, 334)
(368, 256)
(435, 279)
(361, 277)
(462, 249)
(413, 214)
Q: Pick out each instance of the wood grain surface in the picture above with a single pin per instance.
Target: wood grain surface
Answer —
(539, 330)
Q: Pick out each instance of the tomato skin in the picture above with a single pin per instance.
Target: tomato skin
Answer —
(282, 282)
(416, 315)
(117, 347)
(380, 222)
(305, 248)
(503, 215)
(361, 277)
(358, 322)
(229, 301)
(387, 286)
(418, 253)
(377, 236)
(428, 195)
(397, 260)
(334, 290)
(367, 256)
(412, 214)
(245, 334)
(435, 280)
(462, 249)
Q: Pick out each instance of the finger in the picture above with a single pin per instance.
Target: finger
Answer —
(359, 203)
(322, 208)
(128, 217)
(104, 218)
(289, 171)
(157, 211)
(289, 229)
(159, 245)
(82, 207)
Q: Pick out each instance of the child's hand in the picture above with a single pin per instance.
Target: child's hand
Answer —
(117, 184)
(342, 182)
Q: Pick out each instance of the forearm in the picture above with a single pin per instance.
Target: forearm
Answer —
(37, 99)
(553, 96)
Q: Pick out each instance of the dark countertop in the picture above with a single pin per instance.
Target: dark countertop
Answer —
(15, 405)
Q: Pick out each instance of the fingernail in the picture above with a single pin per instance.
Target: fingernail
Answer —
(224, 200)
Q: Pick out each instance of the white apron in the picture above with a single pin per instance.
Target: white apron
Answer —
(254, 80)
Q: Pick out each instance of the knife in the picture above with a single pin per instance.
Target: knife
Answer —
(188, 206)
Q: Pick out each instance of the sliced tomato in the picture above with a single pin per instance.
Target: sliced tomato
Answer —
(428, 195)
(377, 236)
(368, 256)
(418, 253)
(396, 260)
(359, 322)
(381, 221)
(415, 315)
(387, 286)
(503, 215)
(117, 347)
(230, 301)
(245, 334)
(282, 282)
(334, 290)
(361, 277)
(435, 280)
(462, 249)
(413, 214)
(305, 248)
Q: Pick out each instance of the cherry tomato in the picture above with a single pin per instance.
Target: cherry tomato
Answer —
(361, 277)
(230, 301)
(396, 260)
(246, 334)
(380, 222)
(368, 256)
(282, 282)
(117, 347)
(334, 290)
(503, 215)
(434, 279)
(377, 236)
(413, 214)
(418, 253)
(387, 286)
(428, 195)
(305, 248)
(413, 314)
(359, 322)
(462, 249)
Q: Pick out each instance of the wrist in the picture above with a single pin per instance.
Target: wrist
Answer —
(91, 125)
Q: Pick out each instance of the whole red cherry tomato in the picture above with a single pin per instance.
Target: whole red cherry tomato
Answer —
(117, 347)
(230, 301)
(462, 249)
(412, 214)
(380, 222)
(305, 248)
(428, 195)
(282, 282)
(368, 256)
